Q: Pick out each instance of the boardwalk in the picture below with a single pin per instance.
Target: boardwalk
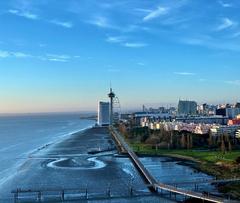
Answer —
(152, 182)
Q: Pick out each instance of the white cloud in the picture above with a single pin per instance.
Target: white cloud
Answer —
(184, 73)
(12, 11)
(4, 54)
(135, 45)
(156, 13)
(226, 23)
(20, 55)
(225, 5)
(143, 10)
(237, 34)
(58, 58)
(115, 39)
(233, 82)
(65, 24)
(32, 16)
(45, 57)
(24, 14)
(100, 22)
(211, 43)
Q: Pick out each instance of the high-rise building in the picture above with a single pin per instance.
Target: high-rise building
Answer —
(103, 113)
(232, 112)
(187, 107)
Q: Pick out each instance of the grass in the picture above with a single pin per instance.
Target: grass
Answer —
(206, 156)
(207, 161)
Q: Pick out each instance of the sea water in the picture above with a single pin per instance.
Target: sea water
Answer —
(21, 135)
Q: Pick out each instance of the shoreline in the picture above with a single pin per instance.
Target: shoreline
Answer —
(57, 140)
(11, 172)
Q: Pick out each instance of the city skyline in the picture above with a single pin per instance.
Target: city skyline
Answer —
(62, 56)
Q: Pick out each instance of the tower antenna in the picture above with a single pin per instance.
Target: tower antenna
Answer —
(111, 95)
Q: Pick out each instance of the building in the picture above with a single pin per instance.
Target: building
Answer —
(186, 108)
(237, 105)
(238, 134)
(103, 113)
(223, 129)
(207, 110)
(234, 121)
(232, 112)
(221, 112)
(138, 116)
(221, 120)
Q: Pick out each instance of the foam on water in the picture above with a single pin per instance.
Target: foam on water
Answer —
(57, 164)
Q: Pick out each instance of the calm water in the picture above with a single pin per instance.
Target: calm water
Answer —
(21, 135)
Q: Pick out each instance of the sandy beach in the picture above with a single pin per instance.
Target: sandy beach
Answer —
(84, 160)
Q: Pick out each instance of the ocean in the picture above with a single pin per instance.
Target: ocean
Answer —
(21, 135)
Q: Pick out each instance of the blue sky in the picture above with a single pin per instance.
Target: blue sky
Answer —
(60, 55)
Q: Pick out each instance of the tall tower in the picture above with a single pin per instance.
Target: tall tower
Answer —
(111, 95)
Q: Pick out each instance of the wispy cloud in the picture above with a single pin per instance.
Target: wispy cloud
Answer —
(65, 24)
(156, 13)
(225, 24)
(100, 21)
(116, 39)
(236, 34)
(233, 82)
(135, 45)
(211, 43)
(32, 16)
(184, 73)
(58, 58)
(44, 57)
(225, 5)
(121, 40)
(20, 55)
(4, 54)
(143, 10)
(24, 14)
(141, 64)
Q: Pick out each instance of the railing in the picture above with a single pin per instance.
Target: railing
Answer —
(154, 184)
(77, 194)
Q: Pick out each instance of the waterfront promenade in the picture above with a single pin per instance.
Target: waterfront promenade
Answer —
(153, 184)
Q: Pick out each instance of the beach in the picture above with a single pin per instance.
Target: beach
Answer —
(85, 160)
(86, 166)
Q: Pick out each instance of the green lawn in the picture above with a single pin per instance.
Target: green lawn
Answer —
(209, 156)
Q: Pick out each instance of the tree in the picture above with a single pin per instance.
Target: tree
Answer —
(223, 148)
(183, 141)
(229, 146)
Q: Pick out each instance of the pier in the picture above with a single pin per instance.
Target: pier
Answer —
(153, 184)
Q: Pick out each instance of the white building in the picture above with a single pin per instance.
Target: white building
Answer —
(103, 113)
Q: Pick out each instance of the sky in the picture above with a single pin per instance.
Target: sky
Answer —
(62, 55)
